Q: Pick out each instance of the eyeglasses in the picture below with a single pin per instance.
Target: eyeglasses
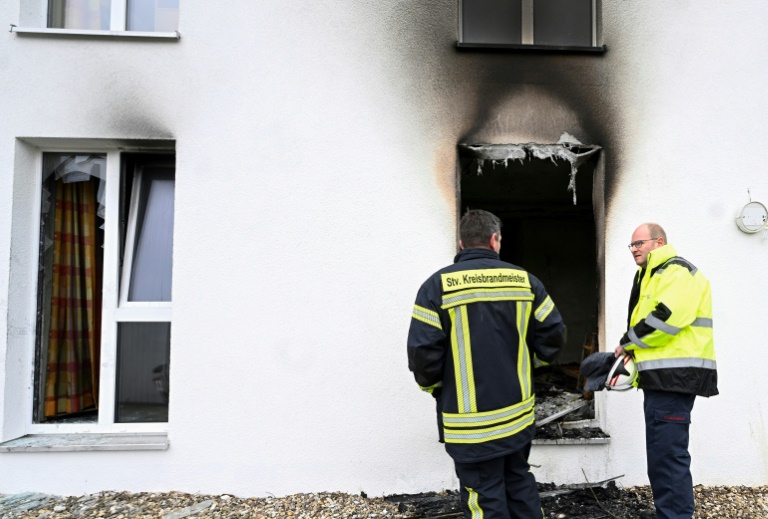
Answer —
(639, 243)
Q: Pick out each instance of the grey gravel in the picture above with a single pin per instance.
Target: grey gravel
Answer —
(711, 503)
(725, 502)
(178, 505)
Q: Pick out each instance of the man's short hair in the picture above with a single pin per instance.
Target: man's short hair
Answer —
(657, 231)
(477, 227)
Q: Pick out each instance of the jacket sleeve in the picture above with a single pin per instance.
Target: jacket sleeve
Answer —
(676, 299)
(426, 343)
(549, 331)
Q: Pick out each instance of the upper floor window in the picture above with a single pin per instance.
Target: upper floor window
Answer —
(549, 23)
(115, 15)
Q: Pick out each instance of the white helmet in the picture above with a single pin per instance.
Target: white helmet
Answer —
(622, 375)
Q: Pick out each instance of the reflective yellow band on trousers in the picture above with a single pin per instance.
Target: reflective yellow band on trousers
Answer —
(473, 504)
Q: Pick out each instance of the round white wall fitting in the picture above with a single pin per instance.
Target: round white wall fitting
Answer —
(752, 218)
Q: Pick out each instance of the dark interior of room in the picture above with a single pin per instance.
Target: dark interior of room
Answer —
(544, 232)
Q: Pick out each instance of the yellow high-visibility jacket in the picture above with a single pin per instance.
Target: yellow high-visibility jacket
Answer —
(670, 326)
(477, 329)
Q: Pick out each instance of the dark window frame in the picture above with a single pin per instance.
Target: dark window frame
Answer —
(479, 26)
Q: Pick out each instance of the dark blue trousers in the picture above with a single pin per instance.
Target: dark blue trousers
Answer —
(667, 419)
(500, 488)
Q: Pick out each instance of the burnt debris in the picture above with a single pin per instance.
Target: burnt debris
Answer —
(586, 501)
(567, 149)
(564, 411)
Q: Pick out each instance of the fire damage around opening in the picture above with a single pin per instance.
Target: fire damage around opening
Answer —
(532, 187)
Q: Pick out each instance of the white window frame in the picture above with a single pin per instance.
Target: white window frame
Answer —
(34, 20)
(154, 308)
(118, 15)
(113, 312)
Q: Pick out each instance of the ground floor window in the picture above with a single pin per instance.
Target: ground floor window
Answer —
(548, 197)
(104, 288)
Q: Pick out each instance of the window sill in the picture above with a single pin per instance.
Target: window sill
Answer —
(519, 47)
(86, 442)
(25, 31)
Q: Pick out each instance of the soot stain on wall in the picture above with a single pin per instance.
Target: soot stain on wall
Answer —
(133, 115)
(139, 123)
(479, 85)
(575, 82)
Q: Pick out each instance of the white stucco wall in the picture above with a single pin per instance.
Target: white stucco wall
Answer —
(315, 191)
(693, 113)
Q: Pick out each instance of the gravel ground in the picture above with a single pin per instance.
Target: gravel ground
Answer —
(599, 503)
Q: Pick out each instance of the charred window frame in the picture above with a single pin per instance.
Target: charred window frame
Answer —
(567, 25)
(127, 200)
(519, 183)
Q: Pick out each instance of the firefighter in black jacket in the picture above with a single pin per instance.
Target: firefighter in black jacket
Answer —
(478, 327)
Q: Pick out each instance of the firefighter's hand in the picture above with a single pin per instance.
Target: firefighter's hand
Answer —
(619, 351)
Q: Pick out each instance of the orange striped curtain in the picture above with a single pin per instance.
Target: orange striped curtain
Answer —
(72, 375)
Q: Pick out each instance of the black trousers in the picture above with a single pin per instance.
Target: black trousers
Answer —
(667, 419)
(500, 488)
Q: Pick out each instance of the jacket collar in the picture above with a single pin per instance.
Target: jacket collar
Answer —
(658, 256)
(475, 253)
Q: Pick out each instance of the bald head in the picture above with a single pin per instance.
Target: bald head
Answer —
(656, 231)
(647, 237)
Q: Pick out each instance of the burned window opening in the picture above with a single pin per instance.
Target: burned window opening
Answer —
(563, 413)
(491, 155)
(550, 231)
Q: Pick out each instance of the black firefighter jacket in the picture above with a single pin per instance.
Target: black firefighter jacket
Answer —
(477, 328)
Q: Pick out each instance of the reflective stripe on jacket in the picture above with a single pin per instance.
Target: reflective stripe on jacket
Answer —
(476, 330)
(670, 326)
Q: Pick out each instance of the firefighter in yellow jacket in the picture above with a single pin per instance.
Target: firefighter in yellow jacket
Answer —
(669, 332)
(478, 327)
